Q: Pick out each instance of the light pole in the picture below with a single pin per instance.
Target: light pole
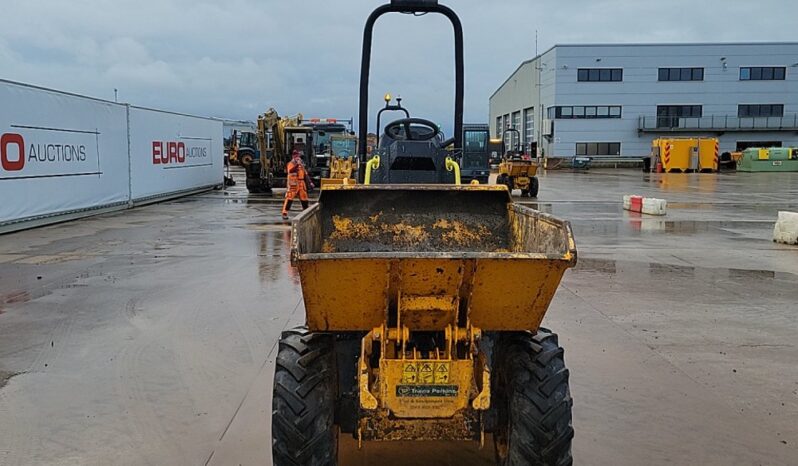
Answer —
(116, 95)
(539, 67)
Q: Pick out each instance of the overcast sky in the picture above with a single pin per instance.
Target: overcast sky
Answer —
(236, 58)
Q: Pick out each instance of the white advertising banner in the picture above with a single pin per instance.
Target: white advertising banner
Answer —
(59, 153)
(171, 153)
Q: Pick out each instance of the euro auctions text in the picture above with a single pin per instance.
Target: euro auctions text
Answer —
(176, 152)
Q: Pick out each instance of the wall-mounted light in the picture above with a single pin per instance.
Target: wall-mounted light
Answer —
(598, 59)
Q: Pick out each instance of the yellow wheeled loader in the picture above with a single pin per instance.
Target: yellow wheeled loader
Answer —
(518, 171)
(343, 160)
(423, 301)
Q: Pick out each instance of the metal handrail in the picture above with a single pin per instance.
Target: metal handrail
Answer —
(717, 123)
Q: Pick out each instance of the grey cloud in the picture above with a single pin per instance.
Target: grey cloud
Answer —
(237, 58)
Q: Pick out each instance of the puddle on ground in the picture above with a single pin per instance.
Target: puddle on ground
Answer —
(644, 224)
(13, 297)
(266, 227)
(274, 251)
(659, 270)
(5, 376)
(267, 200)
(745, 274)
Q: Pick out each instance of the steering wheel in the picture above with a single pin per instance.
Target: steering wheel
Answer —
(400, 130)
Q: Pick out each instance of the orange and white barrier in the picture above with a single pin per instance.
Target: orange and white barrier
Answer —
(645, 205)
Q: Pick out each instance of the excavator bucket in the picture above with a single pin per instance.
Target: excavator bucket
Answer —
(363, 247)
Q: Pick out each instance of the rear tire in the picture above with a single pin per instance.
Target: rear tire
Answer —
(534, 187)
(533, 401)
(303, 405)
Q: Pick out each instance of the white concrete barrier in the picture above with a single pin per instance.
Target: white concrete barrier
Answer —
(786, 229)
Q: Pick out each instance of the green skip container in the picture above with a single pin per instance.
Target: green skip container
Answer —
(772, 159)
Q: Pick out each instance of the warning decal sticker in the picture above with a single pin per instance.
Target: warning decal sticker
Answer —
(425, 373)
(409, 373)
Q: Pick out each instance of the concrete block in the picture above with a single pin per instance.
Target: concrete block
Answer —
(654, 206)
(786, 229)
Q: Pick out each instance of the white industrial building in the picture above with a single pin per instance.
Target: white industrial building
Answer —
(612, 99)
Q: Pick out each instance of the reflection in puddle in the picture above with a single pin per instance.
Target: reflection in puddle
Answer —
(596, 265)
(13, 297)
(645, 224)
(274, 253)
(5, 377)
(669, 269)
(267, 200)
(660, 270)
(741, 273)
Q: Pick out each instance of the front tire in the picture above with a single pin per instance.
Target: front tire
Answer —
(533, 401)
(303, 405)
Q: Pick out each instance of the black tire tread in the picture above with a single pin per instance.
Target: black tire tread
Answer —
(531, 374)
(534, 187)
(303, 404)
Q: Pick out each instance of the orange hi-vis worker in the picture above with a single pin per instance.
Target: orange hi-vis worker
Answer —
(298, 180)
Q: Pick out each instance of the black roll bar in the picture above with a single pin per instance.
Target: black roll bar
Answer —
(411, 6)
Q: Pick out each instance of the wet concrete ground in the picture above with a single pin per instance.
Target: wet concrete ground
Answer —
(149, 336)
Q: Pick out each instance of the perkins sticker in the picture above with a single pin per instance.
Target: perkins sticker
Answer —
(427, 391)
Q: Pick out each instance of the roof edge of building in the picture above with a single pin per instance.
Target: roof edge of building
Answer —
(672, 44)
(634, 44)
(525, 62)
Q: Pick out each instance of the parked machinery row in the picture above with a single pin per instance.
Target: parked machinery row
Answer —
(325, 146)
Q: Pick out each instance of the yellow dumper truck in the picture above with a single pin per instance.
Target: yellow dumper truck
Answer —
(423, 302)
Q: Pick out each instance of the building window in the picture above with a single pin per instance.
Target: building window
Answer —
(579, 112)
(681, 74)
(763, 73)
(506, 135)
(498, 126)
(760, 110)
(598, 148)
(529, 125)
(516, 139)
(668, 116)
(599, 74)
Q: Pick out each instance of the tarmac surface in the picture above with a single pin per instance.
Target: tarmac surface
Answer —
(149, 336)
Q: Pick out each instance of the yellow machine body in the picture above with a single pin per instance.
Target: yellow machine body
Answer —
(521, 171)
(341, 171)
(395, 261)
(686, 154)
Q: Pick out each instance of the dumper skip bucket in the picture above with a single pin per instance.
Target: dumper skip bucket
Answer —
(361, 247)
